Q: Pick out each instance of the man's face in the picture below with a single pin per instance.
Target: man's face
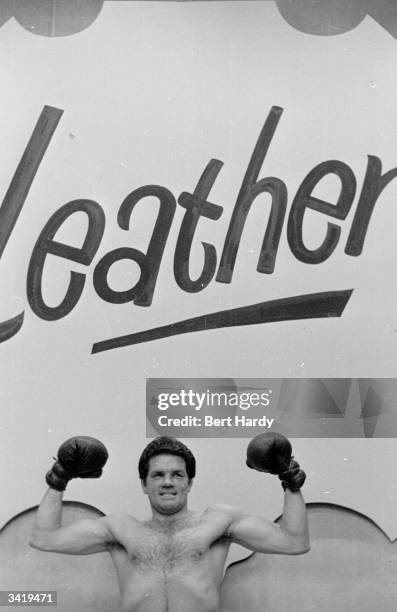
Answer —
(167, 484)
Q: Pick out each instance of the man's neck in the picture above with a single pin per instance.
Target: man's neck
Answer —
(169, 520)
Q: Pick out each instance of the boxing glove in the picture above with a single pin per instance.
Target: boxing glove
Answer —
(271, 452)
(78, 457)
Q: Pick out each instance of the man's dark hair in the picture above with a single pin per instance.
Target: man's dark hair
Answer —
(165, 445)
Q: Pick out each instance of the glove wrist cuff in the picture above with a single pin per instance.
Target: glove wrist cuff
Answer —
(57, 477)
(290, 486)
(293, 478)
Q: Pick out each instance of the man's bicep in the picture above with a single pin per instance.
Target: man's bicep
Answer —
(258, 534)
(82, 537)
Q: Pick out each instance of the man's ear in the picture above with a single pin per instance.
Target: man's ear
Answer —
(190, 484)
(143, 485)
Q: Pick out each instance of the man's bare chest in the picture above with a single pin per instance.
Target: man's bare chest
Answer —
(156, 547)
(166, 549)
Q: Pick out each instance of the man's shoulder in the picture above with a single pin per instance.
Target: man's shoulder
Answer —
(225, 511)
(122, 528)
(121, 520)
(221, 517)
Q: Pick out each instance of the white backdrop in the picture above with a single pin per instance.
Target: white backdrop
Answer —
(150, 93)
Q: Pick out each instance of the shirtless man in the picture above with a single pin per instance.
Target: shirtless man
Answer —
(174, 561)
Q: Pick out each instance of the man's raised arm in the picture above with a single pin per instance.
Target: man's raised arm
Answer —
(79, 457)
(272, 453)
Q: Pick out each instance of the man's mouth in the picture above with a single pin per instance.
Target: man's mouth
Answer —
(167, 494)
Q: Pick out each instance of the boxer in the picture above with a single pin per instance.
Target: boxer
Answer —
(174, 561)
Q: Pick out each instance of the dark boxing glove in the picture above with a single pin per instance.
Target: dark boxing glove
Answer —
(78, 457)
(272, 453)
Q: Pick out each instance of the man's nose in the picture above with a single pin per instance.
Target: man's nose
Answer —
(167, 480)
